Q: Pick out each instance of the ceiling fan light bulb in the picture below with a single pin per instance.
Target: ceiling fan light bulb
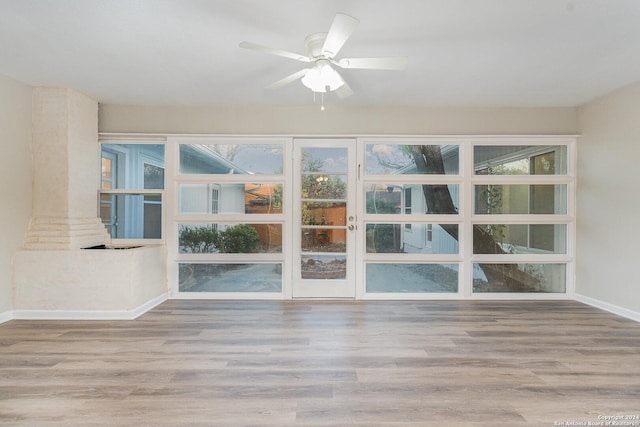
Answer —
(313, 80)
(330, 77)
(321, 77)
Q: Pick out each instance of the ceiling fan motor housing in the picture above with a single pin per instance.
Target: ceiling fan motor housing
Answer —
(315, 43)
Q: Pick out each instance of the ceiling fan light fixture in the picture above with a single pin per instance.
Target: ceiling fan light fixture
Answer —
(322, 50)
(322, 77)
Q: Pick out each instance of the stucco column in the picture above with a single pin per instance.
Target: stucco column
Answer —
(66, 161)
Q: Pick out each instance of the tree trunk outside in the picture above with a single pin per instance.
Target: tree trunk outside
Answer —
(428, 160)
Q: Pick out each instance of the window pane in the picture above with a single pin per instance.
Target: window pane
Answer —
(519, 238)
(520, 160)
(409, 199)
(132, 166)
(321, 186)
(324, 213)
(412, 159)
(106, 168)
(548, 278)
(107, 172)
(324, 267)
(230, 277)
(229, 238)
(132, 216)
(153, 176)
(238, 159)
(324, 159)
(152, 220)
(324, 240)
(412, 278)
(520, 199)
(417, 239)
(230, 199)
(107, 211)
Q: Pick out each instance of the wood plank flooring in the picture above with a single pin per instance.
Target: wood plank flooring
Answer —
(263, 363)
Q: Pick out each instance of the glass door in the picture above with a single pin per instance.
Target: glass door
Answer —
(324, 218)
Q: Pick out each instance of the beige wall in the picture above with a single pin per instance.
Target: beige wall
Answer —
(15, 176)
(336, 120)
(608, 225)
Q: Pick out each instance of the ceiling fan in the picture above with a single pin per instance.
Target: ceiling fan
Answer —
(322, 48)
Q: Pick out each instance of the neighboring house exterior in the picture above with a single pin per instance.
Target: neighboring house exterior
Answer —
(141, 167)
(413, 236)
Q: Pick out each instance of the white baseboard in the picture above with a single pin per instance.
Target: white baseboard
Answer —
(88, 314)
(139, 311)
(611, 308)
(6, 316)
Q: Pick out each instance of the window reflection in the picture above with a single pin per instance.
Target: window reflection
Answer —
(412, 159)
(412, 278)
(324, 213)
(420, 238)
(324, 239)
(242, 198)
(549, 278)
(411, 199)
(218, 277)
(236, 159)
(324, 267)
(520, 160)
(229, 238)
(520, 199)
(521, 238)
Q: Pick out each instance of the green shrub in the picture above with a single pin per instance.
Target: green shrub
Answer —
(241, 238)
(200, 239)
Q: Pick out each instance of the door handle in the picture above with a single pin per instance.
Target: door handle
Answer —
(351, 227)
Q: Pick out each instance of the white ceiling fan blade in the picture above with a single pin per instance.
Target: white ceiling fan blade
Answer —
(272, 51)
(390, 63)
(290, 78)
(344, 91)
(341, 29)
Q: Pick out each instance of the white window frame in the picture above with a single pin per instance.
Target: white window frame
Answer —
(113, 216)
(465, 218)
(364, 258)
(568, 179)
(176, 218)
(124, 167)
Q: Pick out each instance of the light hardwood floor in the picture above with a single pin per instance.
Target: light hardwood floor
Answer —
(213, 363)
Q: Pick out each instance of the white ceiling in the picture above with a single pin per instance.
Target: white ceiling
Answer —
(461, 52)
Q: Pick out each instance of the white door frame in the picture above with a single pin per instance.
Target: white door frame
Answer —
(326, 288)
